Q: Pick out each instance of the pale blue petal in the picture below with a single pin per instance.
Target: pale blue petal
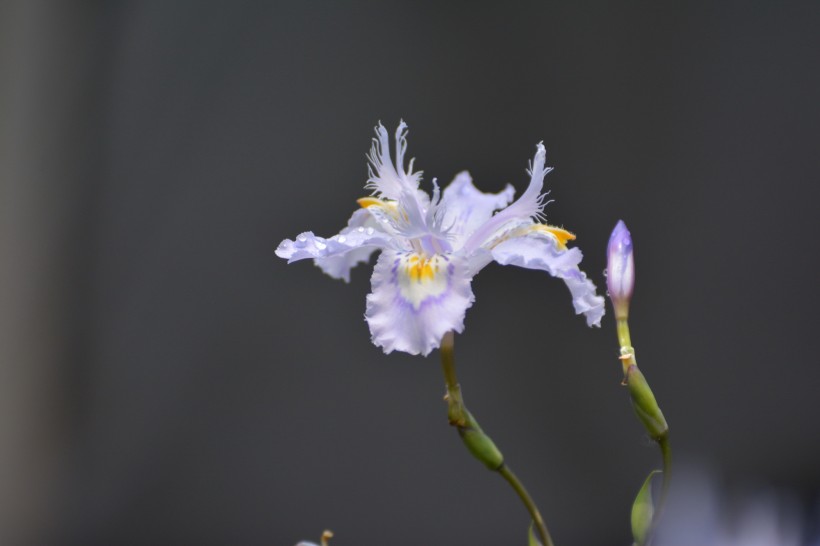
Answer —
(584, 296)
(540, 251)
(338, 254)
(388, 178)
(402, 222)
(465, 208)
(527, 207)
(477, 260)
(411, 314)
(338, 266)
(412, 218)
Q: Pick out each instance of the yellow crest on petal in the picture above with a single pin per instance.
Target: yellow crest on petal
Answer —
(560, 234)
(365, 202)
(389, 206)
(420, 278)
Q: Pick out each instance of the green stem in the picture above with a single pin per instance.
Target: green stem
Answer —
(513, 480)
(456, 412)
(448, 360)
(666, 454)
(466, 424)
(623, 333)
(647, 407)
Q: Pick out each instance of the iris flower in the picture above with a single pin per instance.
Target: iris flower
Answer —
(432, 247)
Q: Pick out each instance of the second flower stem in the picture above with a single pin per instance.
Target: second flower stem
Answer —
(479, 444)
(516, 484)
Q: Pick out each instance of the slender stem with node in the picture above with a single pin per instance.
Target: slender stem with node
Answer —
(648, 412)
(479, 444)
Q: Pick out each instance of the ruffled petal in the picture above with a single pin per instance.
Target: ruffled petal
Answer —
(415, 301)
(338, 254)
(465, 208)
(538, 250)
(584, 296)
(389, 179)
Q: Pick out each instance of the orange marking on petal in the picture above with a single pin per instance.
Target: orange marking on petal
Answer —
(365, 202)
(421, 270)
(422, 277)
(559, 233)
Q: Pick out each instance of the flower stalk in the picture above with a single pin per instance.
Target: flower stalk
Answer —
(620, 284)
(477, 441)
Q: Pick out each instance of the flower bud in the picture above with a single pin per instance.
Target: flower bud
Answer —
(620, 278)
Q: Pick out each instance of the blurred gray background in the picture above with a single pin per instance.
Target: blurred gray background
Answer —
(165, 379)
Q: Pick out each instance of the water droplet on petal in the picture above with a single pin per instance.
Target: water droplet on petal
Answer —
(360, 230)
(301, 238)
(605, 273)
(341, 238)
(370, 231)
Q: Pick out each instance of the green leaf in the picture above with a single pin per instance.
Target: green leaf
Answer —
(642, 510)
(533, 541)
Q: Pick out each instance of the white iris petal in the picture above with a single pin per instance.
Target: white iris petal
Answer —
(540, 251)
(410, 313)
(338, 254)
(465, 208)
(387, 179)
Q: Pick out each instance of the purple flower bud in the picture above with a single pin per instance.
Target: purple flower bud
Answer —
(620, 279)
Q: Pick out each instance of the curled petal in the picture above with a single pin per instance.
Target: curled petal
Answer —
(527, 207)
(338, 254)
(531, 201)
(584, 296)
(416, 300)
(537, 250)
(465, 208)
